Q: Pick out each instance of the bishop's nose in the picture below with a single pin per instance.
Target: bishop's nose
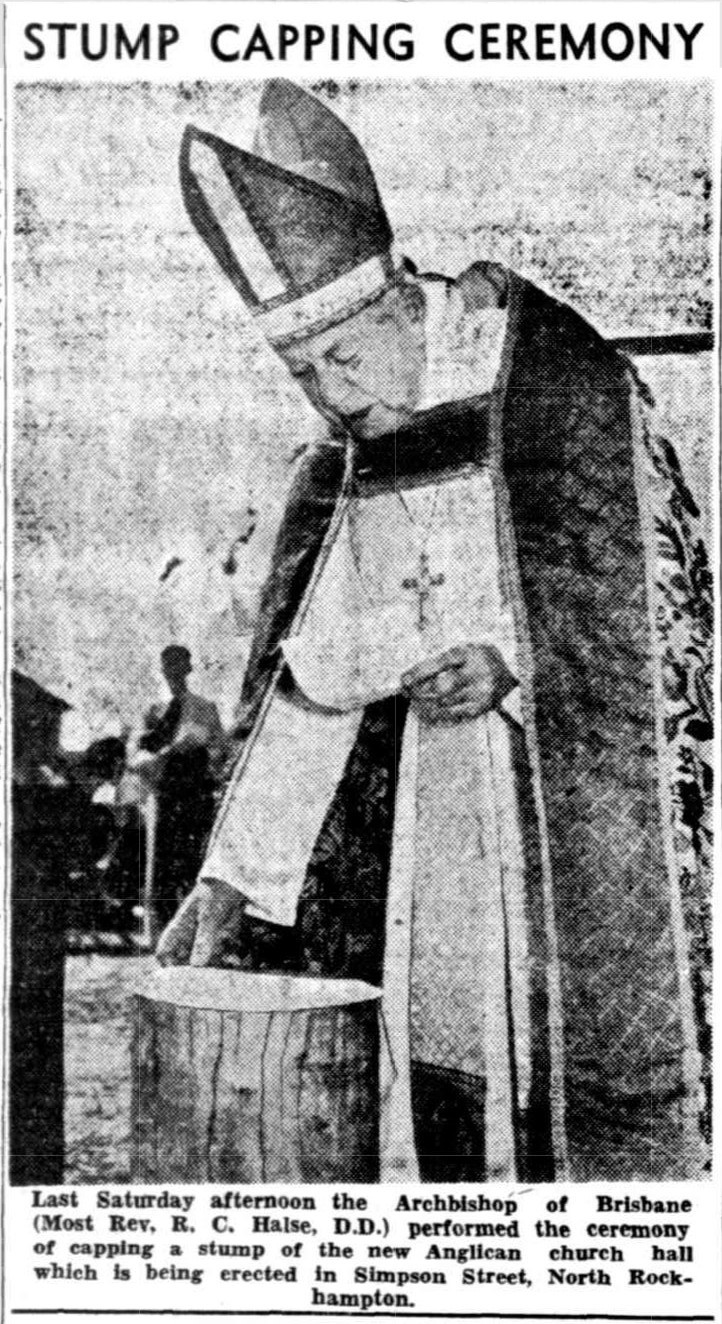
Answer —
(337, 392)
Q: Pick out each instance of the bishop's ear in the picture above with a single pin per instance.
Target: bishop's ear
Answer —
(483, 285)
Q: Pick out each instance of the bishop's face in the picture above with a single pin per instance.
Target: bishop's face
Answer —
(365, 374)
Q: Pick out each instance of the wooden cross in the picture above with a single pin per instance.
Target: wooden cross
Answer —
(422, 585)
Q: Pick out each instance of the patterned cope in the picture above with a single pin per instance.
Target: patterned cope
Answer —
(611, 590)
(685, 625)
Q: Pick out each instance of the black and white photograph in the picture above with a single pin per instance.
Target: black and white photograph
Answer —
(362, 753)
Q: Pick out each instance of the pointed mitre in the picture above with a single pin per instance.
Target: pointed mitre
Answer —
(297, 223)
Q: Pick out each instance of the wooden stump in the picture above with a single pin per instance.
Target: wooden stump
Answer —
(255, 1078)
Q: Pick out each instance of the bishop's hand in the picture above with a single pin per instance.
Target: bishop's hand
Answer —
(463, 683)
(205, 929)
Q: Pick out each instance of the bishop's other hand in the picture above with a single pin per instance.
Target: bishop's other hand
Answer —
(456, 686)
(205, 929)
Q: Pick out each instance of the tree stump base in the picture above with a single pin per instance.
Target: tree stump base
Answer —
(254, 1078)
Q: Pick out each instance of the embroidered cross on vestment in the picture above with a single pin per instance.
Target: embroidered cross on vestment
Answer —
(422, 584)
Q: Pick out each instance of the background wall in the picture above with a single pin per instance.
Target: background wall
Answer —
(148, 415)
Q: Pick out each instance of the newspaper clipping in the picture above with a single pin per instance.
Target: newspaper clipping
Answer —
(361, 547)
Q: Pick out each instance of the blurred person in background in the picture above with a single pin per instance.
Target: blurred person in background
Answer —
(177, 759)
